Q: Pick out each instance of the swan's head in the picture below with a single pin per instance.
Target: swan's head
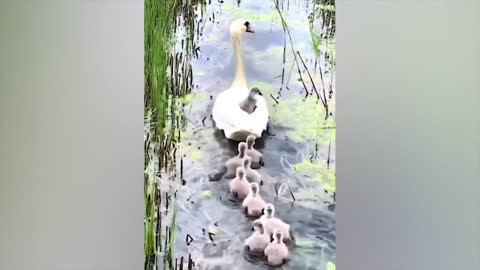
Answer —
(250, 141)
(241, 148)
(247, 161)
(269, 210)
(240, 26)
(277, 236)
(258, 226)
(255, 188)
(241, 173)
(254, 92)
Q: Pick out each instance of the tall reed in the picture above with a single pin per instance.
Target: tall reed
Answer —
(168, 76)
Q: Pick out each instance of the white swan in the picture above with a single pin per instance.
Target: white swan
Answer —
(227, 114)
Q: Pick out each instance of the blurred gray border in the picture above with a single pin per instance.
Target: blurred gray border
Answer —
(408, 135)
(72, 129)
(408, 145)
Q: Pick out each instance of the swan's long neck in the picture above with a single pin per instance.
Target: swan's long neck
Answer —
(240, 80)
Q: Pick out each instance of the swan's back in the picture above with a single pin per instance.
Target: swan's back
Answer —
(235, 122)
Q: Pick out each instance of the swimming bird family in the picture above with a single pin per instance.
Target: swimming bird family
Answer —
(270, 233)
(243, 115)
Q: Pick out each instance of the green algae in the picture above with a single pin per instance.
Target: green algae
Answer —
(196, 155)
(325, 178)
(330, 266)
(205, 194)
(304, 118)
(306, 167)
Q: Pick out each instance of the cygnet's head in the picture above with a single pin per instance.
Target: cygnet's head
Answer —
(241, 173)
(250, 141)
(269, 210)
(255, 188)
(247, 161)
(241, 148)
(254, 92)
(240, 26)
(258, 226)
(278, 236)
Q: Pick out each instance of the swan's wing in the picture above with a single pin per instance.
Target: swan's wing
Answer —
(235, 122)
(218, 108)
(227, 112)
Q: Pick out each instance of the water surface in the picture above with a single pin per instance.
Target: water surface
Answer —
(205, 211)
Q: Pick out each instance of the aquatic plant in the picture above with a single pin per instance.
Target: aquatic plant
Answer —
(166, 88)
(170, 252)
(303, 118)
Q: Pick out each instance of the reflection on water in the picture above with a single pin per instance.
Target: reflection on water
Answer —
(298, 151)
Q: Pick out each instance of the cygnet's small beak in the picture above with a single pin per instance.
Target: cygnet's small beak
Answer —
(249, 29)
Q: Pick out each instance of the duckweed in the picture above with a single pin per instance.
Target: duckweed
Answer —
(205, 194)
(330, 266)
(305, 119)
(196, 155)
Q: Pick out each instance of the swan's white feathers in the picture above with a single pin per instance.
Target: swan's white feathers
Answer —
(227, 114)
(235, 122)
